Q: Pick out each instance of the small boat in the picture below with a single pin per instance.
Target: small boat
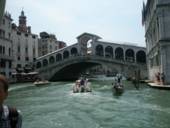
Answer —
(41, 83)
(119, 89)
(77, 88)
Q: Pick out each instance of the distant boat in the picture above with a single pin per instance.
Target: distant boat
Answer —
(41, 83)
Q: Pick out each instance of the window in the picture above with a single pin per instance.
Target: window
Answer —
(33, 37)
(26, 35)
(27, 58)
(9, 25)
(9, 35)
(3, 50)
(33, 51)
(26, 50)
(3, 63)
(0, 49)
(19, 58)
(19, 49)
(3, 21)
(9, 50)
(18, 33)
(2, 33)
(19, 66)
(10, 64)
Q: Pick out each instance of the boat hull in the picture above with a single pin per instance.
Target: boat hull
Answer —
(41, 83)
(81, 90)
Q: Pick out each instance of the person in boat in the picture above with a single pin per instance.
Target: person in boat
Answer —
(118, 81)
(77, 84)
(82, 82)
(10, 117)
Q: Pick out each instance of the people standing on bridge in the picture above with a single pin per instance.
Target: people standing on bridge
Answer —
(9, 116)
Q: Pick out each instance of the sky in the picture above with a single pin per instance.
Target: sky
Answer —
(113, 20)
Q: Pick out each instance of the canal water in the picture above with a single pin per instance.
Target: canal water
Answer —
(55, 106)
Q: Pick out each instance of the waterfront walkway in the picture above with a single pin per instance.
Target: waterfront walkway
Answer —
(159, 86)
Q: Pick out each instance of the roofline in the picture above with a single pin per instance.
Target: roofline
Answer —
(86, 33)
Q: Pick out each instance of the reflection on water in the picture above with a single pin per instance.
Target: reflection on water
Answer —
(55, 106)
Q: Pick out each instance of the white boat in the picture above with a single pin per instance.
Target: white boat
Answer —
(41, 83)
(79, 89)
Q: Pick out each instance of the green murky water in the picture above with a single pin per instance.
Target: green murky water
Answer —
(55, 106)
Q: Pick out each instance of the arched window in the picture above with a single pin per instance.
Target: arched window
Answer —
(119, 53)
(38, 65)
(45, 62)
(109, 52)
(51, 60)
(130, 56)
(74, 51)
(99, 50)
(58, 57)
(66, 54)
(141, 57)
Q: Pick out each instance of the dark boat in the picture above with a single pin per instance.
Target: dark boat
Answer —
(118, 88)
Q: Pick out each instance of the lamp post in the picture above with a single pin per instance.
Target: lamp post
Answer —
(2, 8)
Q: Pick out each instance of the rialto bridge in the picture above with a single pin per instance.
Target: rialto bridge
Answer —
(89, 51)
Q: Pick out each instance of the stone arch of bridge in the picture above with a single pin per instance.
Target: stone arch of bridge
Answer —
(99, 50)
(109, 52)
(58, 57)
(66, 54)
(119, 53)
(45, 62)
(141, 57)
(72, 71)
(74, 51)
(51, 60)
(130, 55)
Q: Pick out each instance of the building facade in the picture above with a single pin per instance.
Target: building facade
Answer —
(48, 43)
(18, 46)
(156, 18)
(25, 45)
(6, 56)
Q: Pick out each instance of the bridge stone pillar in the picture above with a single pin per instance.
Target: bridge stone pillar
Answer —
(124, 54)
(135, 61)
(104, 53)
(113, 53)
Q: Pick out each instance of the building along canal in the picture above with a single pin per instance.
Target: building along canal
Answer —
(55, 106)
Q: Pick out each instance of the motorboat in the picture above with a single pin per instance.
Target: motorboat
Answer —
(41, 83)
(77, 88)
